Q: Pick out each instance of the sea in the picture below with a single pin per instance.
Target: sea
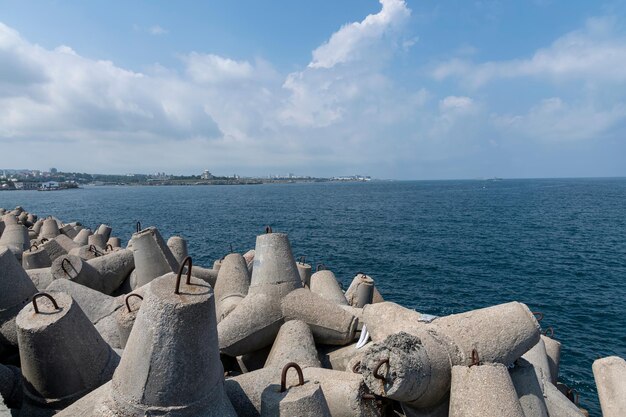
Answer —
(439, 247)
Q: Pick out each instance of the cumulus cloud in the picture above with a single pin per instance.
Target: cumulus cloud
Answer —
(157, 30)
(594, 53)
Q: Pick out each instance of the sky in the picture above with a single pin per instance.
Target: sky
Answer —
(398, 89)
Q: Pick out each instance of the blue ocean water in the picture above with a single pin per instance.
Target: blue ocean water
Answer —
(441, 247)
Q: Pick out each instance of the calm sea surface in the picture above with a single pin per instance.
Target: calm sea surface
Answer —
(441, 247)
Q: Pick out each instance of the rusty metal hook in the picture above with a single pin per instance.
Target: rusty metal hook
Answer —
(108, 246)
(34, 245)
(538, 315)
(377, 368)
(320, 267)
(549, 331)
(63, 266)
(302, 260)
(48, 296)
(138, 226)
(129, 296)
(43, 240)
(185, 261)
(574, 396)
(475, 358)
(268, 229)
(94, 250)
(283, 376)
(356, 367)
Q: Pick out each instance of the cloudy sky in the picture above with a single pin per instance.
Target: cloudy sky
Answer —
(391, 88)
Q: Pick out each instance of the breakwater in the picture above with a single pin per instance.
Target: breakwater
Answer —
(440, 247)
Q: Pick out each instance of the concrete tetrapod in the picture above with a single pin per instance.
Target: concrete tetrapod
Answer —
(37, 258)
(171, 364)
(294, 343)
(15, 237)
(483, 390)
(529, 389)
(325, 284)
(82, 238)
(538, 357)
(553, 350)
(559, 405)
(610, 376)
(75, 269)
(330, 324)
(47, 329)
(305, 272)
(98, 307)
(97, 240)
(255, 322)
(41, 277)
(418, 365)
(152, 256)
(113, 269)
(302, 400)
(361, 291)
(386, 318)
(16, 288)
(49, 229)
(178, 246)
(126, 316)
(105, 231)
(345, 392)
(66, 243)
(231, 285)
(53, 248)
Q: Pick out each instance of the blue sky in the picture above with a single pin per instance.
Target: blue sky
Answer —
(393, 89)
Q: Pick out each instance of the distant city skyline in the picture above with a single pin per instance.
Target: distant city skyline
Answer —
(391, 88)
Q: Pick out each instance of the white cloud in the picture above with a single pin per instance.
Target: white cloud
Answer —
(157, 30)
(209, 68)
(555, 120)
(358, 40)
(594, 54)
(456, 103)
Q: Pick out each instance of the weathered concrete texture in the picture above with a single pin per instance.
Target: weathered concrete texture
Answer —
(35, 258)
(4, 411)
(610, 376)
(178, 246)
(324, 283)
(249, 257)
(294, 343)
(344, 391)
(15, 237)
(304, 270)
(538, 357)
(171, 362)
(49, 229)
(329, 323)
(125, 318)
(66, 243)
(559, 405)
(529, 389)
(305, 400)
(41, 277)
(385, 318)
(104, 230)
(500, 333)
(97, 240)
(75, 269)
(232, 284)
(54, 249)
(152, 256)
(205, 274)
(356, 312)
(114, 242)
(483, 390)
(361, 291)
(341, 358)
(69, 231)
(553, 350)
(275, 270)
(11, 386)
(251, 326)
(113, 269)
(16, 288)
(54, 379)
(99, 308)
(410, 368)
(86, 252)
(82, 238)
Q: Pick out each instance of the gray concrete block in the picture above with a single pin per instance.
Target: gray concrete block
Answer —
(294, 343)
(231, 285)
(324, 283)
(610, 376)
